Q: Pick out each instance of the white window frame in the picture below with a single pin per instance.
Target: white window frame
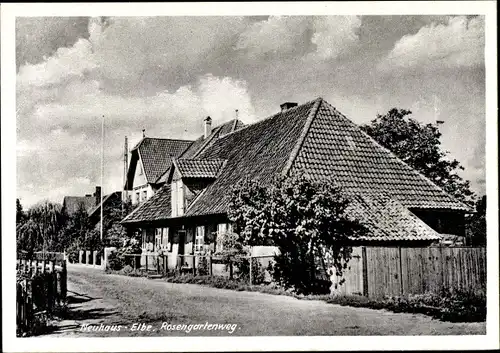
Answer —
(199, 241)
(222, 228)
(158, 238)
(165, 239)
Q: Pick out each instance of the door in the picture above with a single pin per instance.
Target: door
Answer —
(182, 241)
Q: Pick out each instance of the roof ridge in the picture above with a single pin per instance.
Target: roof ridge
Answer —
(296, 149)
(399, 160)
(138, 144)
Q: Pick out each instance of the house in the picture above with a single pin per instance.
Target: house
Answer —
(397, 204)
(71, 204)
(152, 157)
(113, 199)
(91, 203)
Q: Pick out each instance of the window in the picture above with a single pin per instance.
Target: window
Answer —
(144, 195)
(158, 238)
(221, 229)
(137, 197)
(165, 242)
(200, 239)
(177, 190)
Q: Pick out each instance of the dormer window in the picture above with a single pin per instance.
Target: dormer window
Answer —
(177, 190)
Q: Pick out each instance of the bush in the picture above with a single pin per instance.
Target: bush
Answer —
(115, 262)
(73, 252)
(258, 271)
(456, 306)
(464, 306)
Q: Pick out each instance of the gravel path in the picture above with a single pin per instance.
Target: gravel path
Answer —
(113, 301)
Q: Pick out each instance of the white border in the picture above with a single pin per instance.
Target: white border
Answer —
(8, 140)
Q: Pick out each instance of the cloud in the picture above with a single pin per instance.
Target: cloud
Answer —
(65, 64)
(64, 138)
(322, 37)
(277, 34)
(334, 35)
(457, 43)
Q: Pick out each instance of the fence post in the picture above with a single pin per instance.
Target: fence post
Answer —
(365, 271)
(230, 268)
(194, 265)
(64, 276)
(146, 262)
(400, 271)
(210, 264)
(251, 263)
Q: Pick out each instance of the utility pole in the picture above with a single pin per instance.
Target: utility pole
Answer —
(125, 170)
(102, 173)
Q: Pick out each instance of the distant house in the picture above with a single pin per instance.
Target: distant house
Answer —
(71, 204)
(152, 157)
(111, 200)
(398, 204)
(91, 203)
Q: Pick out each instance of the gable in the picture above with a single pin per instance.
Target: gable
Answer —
(139, 175)
(156, 155)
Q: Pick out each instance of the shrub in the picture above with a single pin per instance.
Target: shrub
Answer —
(73, 252)
(464, 306)
(115, 262)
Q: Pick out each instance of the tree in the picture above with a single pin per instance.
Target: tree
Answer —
(476, 225)
(114, 233)
(41, 228)
(20, 215)
(305, 219)
(419, 146)
(76, 232)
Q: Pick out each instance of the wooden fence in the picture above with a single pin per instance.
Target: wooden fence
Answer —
(395, 271)
(192, 263)
(41, 287)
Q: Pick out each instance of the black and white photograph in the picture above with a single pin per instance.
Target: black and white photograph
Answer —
(248, 171)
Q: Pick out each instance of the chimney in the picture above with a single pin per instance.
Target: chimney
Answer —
(97, 195)
(287, 105)
(208, 126)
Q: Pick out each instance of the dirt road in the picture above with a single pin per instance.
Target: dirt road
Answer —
(100, 303)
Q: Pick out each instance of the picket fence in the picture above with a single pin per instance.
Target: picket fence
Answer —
(397, 271)
(41, 287)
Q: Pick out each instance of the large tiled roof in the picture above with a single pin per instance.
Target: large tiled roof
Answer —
(316, 139)
(156, 155)
(72, 203)
(198, 168)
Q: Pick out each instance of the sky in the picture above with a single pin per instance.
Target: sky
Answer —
(166, 74)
